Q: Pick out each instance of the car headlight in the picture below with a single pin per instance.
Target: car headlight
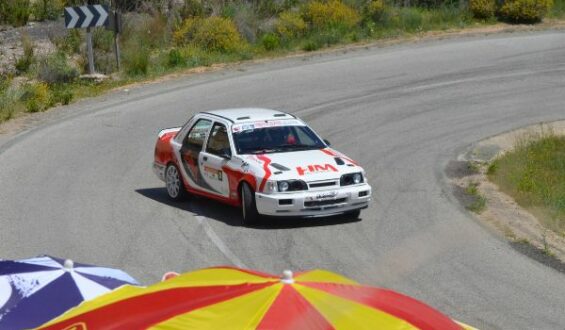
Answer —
(357, 178)
(292, 185)
(351, 178)
(283, 186)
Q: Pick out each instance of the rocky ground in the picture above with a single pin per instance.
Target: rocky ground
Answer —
(40, 33)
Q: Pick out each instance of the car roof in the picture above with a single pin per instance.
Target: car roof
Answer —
(249, 114)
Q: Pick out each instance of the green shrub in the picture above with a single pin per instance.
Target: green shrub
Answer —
(192, 8)
(448, 16)
(103, 40)
(14, 12)
(322, 15)
(195, 56)
(270, 41)
(311, 45)
(245, 17)
(47, 9)
(329, 36)
(69, 43)
(36, 96)
(270, 8)
(61, 94)
(290, 25)
(482, 9)
(23, 63)
(211, 33)
(9, 97)
(135, 58)
(374, 10)
(175, 58)
(55, 69)
(558, 9)
(525, 11)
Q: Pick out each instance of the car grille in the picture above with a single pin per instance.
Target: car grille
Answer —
(324, 203)
(322, 184)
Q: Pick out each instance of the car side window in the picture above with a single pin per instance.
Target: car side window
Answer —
(197, 135)
(219, 142)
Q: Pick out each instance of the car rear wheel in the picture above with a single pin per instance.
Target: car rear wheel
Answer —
(174, 184)
(249, 212)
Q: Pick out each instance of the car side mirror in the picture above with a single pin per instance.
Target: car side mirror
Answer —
(327, 142)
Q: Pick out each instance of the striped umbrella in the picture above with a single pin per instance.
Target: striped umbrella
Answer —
(231, 298)
(34, 291)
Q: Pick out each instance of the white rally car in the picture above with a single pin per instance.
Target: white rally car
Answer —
(266, 162)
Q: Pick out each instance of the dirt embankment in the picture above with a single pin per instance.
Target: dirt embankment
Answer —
(501, 213)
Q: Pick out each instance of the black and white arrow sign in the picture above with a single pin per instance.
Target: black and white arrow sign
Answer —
(86, 16)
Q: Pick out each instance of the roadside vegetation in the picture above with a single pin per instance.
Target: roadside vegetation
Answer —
(478, 202)
(163, 36)
(534, 175)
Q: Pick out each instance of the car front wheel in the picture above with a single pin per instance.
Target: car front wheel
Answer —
(173, 181)
(249, 212)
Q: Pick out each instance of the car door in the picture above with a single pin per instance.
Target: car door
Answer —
(190, 152)
(215, 156)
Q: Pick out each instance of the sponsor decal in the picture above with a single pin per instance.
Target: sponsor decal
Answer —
(245, 167)
(315, 169)
(265, 123)
(213, 173)
(326, 195)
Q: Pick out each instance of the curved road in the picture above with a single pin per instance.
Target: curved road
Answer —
(80, 184)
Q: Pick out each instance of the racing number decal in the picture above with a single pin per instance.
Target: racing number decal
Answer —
(213, 173)
(315, 168)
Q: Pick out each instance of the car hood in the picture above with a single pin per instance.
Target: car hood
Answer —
(310, 165)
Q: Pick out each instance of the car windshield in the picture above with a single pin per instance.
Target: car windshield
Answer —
(276, 139)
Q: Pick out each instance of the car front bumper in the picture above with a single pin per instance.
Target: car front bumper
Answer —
(159, 170)
(314, 203)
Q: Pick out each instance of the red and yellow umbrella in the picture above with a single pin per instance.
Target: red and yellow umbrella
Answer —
(231, 298)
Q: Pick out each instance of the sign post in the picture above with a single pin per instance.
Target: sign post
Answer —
(90, 51)
(115, 25)
(87, 17)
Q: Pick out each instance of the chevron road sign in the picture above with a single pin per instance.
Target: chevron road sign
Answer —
(86, 16)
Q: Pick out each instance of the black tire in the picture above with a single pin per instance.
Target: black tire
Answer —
(353, 214)
(249, 214)
(174, 184)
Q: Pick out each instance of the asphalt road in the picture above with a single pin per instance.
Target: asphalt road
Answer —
(80, 185)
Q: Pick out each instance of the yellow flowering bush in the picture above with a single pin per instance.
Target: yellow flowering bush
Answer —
(321, 15)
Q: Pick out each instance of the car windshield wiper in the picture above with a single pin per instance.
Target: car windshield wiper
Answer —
(259, 151)
(296, 146)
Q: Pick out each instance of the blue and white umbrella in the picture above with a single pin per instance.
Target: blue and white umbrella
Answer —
(36, 290)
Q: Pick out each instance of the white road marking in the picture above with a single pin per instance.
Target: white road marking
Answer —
(218, 242)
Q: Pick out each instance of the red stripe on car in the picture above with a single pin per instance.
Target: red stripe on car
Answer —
(266, 161)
